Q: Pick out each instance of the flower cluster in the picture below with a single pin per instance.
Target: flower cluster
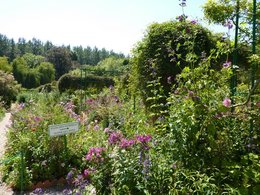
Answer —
(228, 24)
(33, 122)
(125, 143)
(38, 191)
(78, 180)
(69, 108)
(143, 140)
(182, 18)
(115, 138)
(95, 154)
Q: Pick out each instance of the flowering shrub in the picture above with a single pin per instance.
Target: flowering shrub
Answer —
(45, 157)
(164, 51)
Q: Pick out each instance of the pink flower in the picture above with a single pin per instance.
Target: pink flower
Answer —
(227, 102)
(143, 138)
(95, 154)
(126, 143)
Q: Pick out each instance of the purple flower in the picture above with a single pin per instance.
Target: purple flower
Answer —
(37, 119)
(70, 176)
(227, 102)
(96, 127)
(182, 18)
(107, 130)
(87, 172)
(67, 192)
(111, 87)
(143, 138)
(228, 24)
(89, 101)
(126, 143)
(146, 167)
(116, 98)
(193, 22)
(95, 154)
(227, 64)
(38, 191)
(115, 137)
(21, 106)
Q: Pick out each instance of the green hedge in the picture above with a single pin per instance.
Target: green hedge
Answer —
(72, 82)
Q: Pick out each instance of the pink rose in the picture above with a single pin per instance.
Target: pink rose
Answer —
(227, 102)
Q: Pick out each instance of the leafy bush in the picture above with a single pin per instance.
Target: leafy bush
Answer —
(4, 65)
(165, 50)
(45, 157)
(70, 82)
(8, 89)
(30, 71)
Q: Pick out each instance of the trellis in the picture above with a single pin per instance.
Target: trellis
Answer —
(233, 83)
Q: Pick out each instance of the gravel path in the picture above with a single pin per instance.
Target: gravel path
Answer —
(4, 190)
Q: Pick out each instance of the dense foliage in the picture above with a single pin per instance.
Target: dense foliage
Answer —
(71, 82)
(224, 12)
(88, 55)
(8, 89)
(196, 137)
(4, 65)
(32, 71)
(165, 50)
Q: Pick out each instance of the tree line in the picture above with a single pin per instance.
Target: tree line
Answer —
(88, 55)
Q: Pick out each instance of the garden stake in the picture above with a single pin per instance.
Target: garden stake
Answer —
(234, 75)
(65, 147)
(253, 69)
(134, 104)
(22, 172)
(81, 94)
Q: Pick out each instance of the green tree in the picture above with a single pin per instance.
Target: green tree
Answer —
(47, 72)
(30, 70)
(61, 58)
(19, 69)
(13, 50)
(8, 88)
(32, 79)
(4, 65)
(37, 47)
(32, 60)
(4, 45)
(21, 45)
(47, 46)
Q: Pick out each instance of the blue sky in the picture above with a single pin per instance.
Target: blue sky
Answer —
(112, 24)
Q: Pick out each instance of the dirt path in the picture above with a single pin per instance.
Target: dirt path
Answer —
(4, 190)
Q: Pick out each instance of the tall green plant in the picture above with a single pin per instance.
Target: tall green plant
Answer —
(165, 50)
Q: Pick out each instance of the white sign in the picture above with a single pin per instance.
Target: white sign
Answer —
(63, 129)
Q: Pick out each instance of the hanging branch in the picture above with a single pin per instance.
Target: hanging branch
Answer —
(251, 92)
